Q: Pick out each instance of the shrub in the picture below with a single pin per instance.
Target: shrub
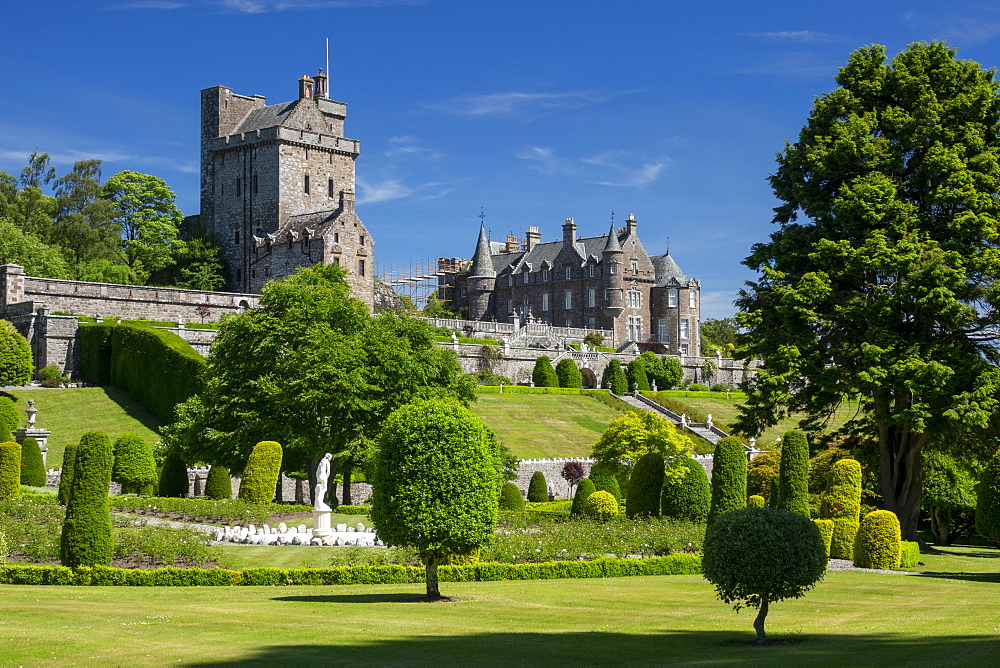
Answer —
(134, 465)
(10, 416)
(16, 362)
(826, 533)
(689, 497)
(86, 533)
(877, 542)
(66, 474)
(645, 486)
(755, 501)
(614, 378)
(601, 506)
(729, 477)
(719, 387)
(793, 474)
(173, 477)
(5, 435)
(260, 476)
(636, 373)
(10, 470)
(569, 374)
(510, 497)
(948, 492)
(842, 504)
(32, 464)
(543, 375)
(698, 387)
(584, 489)
(756, 556)
(538, 489)
(909, 554)
(988, 502)
(218, 485)
(605, 481)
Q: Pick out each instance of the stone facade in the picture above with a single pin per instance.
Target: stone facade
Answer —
(606, 282)
(277, 186)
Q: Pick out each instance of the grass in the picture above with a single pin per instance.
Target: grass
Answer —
(538, 426)
(69, 413)
(850, 618)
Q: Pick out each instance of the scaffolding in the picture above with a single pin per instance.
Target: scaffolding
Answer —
(419, 279)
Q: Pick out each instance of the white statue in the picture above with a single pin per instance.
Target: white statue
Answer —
(454, 339)
(709, 421)
(322, 478)
(32, 413)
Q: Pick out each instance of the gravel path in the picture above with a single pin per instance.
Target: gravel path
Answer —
(848, 565)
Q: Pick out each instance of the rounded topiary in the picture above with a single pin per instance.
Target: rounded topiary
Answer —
(584, 489)
(877, 543)
(5, 434)
(86, 534)
(756, 556)
(729, 477)
(988, 501)
(569, 374)
(10, 470)
(842, 504)
(538, 489)
(762, 470)
(9, 414)
(66, 473)
(260, 476)
(173, 477)
(755, 501)
(605, 482)
(826, 533)
(543, 375)
(510, 497)
(601, 506)
(218, 485)
(32, 464)
(645, 486)
(689, 497)
(793, 473)
(637, 378)
(614, 378)
(16, 363)
(134, 466)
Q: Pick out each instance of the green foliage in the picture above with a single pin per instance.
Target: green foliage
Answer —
(948, 486)
(605, 481)
(842, 504)
(134, 466)
(66, 474)
(614, 378)
(826, 533)
(358, 510)
(909, 554)
(173, 477)
(793, 475)
(635, 434)
(10, 416)
(5, 434)
(145, 211)
(689, 497)
(10, 470)
(755, 501)
(538, 489)
(543, 375)
(4, 549)
(260, 476)
(761, 471)
(719, 334)
(698, 387)
(568, 373)
(86, 533)
(645, 486)
(636, 373)
(510, 497)
(729, 477)
(32, 464)
(218, 484)
(877, 542)
(16, 362)
(756, 556)
(225, 511)
(584, 489)
(988, 501)
(601, 506)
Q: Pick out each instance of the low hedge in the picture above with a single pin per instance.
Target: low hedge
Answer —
(524, 389)
(464, 339)
(354, 510)
(909, 553)
(674, 564)
(695, 394)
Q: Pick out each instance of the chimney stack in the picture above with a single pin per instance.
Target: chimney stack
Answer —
(569, 232)
(321, 86)
(305, 87)
(532, 238)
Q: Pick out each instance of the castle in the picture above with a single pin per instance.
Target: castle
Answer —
(606, 282)
(277, 186)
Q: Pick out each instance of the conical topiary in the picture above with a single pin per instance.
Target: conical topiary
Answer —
(510, 497)
(86, 533)
(10, 471)
(32, 464)
(260, 476)
(793, 473)
(538, 489)
(842, 504)
(689, 497)
(644, 487)
(605, 481)
(729, 477)
(543, 375)
(218, 485)
(173, 477)
(584, 489)
(66, 474)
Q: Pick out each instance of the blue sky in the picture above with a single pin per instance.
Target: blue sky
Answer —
(534, 111)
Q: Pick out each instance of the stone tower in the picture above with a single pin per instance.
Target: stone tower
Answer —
(482, 277)
(614, 299)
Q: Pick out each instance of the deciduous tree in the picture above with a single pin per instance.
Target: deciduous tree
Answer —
(145, 211)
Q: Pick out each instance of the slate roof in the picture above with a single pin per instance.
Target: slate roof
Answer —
(666, 269)
(265, 117)
(548, 251)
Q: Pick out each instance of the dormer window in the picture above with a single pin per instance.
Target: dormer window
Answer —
(545, 275)
(569, 273)
(591, 271)
(524, 276)
(510, 280)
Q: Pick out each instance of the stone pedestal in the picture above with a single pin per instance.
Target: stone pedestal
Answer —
(40, 435)
(321, 523)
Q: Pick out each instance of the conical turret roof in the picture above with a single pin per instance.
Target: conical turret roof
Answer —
(667, 270)
(612, 246)
(482, 261)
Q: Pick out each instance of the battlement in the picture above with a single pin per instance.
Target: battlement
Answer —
(313, 139)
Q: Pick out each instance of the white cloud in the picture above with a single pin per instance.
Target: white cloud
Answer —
(611, 168)
(150, 4)
(802, 36)
(971, 30)
(106, 155)
(383, 191)
(717, 304)
(263, 6)
(409, 147)
(508, 104)
(794, 63)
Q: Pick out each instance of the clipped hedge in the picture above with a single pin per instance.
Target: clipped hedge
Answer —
(584, 489)
(32, 464)
(16, 362)
(538, 489)
(524, 389)
(696, 395)
(260, 476)
(614, 379)
(218, 484)
(826, 533)
(909, 553)
(66, 475)
(674, 564)
(687, 498)
(10, 470)
(877, 542)
(87, 539)
(729, 477)
(601, 506)
(359, 510)
(842, 504)
(510, 497)
(569, 374)
(645, 486)
(134, 465)
(793, 473)
(755, 501)
(9, 413)
(173, 477)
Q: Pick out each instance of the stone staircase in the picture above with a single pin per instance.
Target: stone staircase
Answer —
(707, 431)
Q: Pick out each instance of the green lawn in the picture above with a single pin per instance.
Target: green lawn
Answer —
(68, 413)
(545, 425)
(850, 618)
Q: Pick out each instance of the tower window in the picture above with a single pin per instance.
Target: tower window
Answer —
(239, 187)
(236, 237)
(361, 267)
(545, 301)
(254, 184)
(568, 299)
(684, 328)
(662, 333)
(614, 268)
(329, 188)
(305, 185)
(524, 276)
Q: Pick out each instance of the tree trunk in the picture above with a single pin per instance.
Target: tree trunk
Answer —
(902, 474)
(279, 490)
(758, 623)
(346, 473)
(433, 591)
(941, 525)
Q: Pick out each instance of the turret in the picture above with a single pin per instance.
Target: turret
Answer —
(482, 277)
(305, 87)
(321, 86)
(614, 295)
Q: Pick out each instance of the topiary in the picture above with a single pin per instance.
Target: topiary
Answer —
(16, 362)
(66, 474)
(134, 465)
(218, 485)
(755, 501)
(793, 473)
(5, 435)
(9, 414)
(729, 477)
(909, 554)
(510, 497)
(605, 481)
(689, 497)
(601, 506)
(614, 378)
(637, 378)
(260, 476)
(698, 387)
(86, 533)
(988, 501)
(826, 533)
(877, 542)
(584, 489)
(10, 471)
(842, 504)
(32, 464)
(569, 374)
(543, 375)
(173, 477)
(756, 556)
(538, 489)
(645, 486)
